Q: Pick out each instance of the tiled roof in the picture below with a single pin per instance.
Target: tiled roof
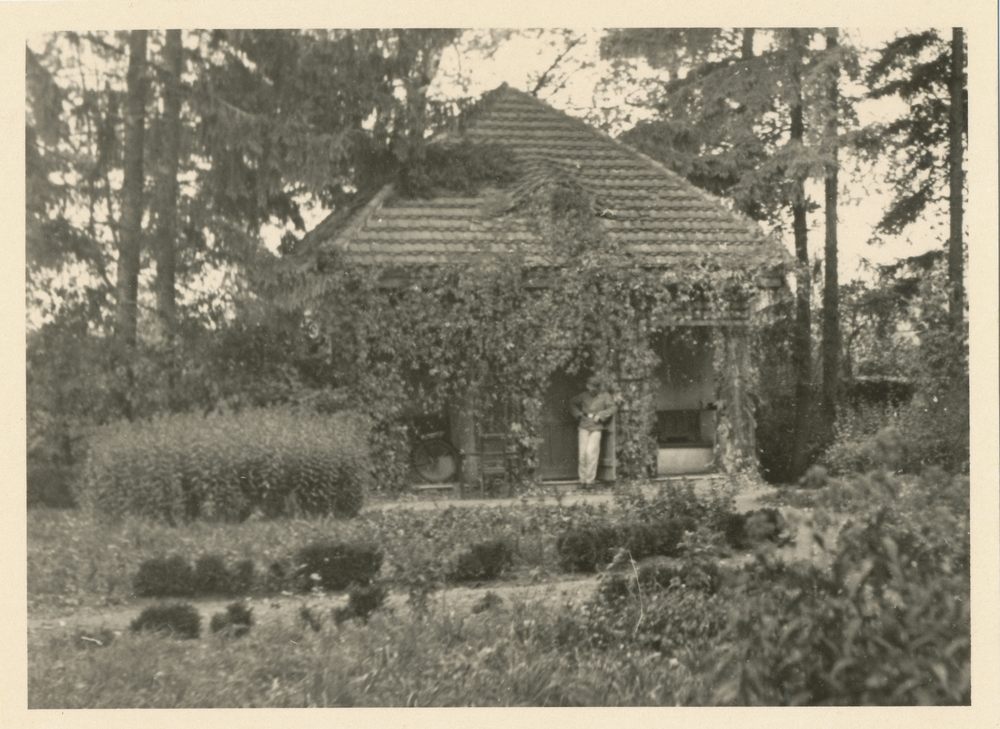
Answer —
(646, 209)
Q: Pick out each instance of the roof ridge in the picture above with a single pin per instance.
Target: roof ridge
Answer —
(604, 136)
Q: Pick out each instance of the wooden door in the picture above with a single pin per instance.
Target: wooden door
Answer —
(557, 456)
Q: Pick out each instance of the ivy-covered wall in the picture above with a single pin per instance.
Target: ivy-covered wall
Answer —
(488, 332)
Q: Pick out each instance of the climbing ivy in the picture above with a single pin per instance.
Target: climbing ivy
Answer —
(496, 329)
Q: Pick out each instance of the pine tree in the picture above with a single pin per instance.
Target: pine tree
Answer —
(926, 145)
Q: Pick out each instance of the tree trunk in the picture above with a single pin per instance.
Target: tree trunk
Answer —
(165, 240)
(129, 239)
(131, 223)
(802, 341)
(831, 290)
(956, 175)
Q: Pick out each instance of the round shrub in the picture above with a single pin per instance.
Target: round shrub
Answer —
(361, 603)
(225, 467)
(180, 619)
(583, 549)
(237, 616)
(164, 577)
(211, 576)
(483, 561)
(336, 565)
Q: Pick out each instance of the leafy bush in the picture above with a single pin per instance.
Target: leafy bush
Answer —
(237, 615)
(225, 467)
(887, 623)
(178, 619)
(164, 577)
(582, 549)
(361, 603)
(211, 576)
(483, 561)
(336, 565)
(745, 531)
(50, 485)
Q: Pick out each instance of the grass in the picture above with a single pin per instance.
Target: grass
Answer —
(517, 651)
(506, 656)
(74, 561)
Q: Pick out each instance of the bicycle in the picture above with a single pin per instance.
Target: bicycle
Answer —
(433, 458)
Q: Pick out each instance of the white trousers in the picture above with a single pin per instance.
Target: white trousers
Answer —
(590, 453)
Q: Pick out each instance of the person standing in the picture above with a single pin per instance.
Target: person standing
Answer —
(592, 408)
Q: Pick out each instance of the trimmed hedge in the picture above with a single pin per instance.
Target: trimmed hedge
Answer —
(584, 549)
(225, 467)
(181, 620)
(336, 566)
(483, 561)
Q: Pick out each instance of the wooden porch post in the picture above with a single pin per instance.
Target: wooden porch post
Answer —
(461, 416)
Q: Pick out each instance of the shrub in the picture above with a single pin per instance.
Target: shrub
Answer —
(487, 602)
(224, 467)
(744, 531)
(241, 579)
(483, 561)
(887, 624)
(582, 549)
(178, 619)
(661, 538)
(50, 485)
(361, 603)
(211, 576)
(336, 565)
(164, 577)
(237, 615)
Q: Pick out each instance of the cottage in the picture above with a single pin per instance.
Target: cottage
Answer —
(654, 224)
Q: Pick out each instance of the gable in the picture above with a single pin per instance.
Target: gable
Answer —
(650, 212)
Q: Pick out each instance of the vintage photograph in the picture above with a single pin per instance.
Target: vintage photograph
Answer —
(498, 367)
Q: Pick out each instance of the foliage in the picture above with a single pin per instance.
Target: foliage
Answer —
(915, 67)
(483, 561)
(491, 333)
(164, 577)
(885, 623)
(178, 619)
(337, 565)
(361, 603)
(238, 617)
(224, 467)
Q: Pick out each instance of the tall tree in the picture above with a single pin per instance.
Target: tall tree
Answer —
(926, 145)
(126, 306)
(831, 286)
(165, 204)
(755, 127)
(802, 338)
(956, 176)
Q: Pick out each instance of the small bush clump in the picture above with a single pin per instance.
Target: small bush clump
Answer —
(336, 565)
(487, 602)
(164, 577)
(237, 616)
(483, 561)
(179, 619)
(211, 576)
(745, 531)
(179, 468)
(173, 577)
(361, 603)
(582, 549)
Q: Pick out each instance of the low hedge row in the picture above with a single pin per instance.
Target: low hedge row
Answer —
(219, 467)
(321, 565)
(586, 548)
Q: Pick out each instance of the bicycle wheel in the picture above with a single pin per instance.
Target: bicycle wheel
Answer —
(435, 460)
